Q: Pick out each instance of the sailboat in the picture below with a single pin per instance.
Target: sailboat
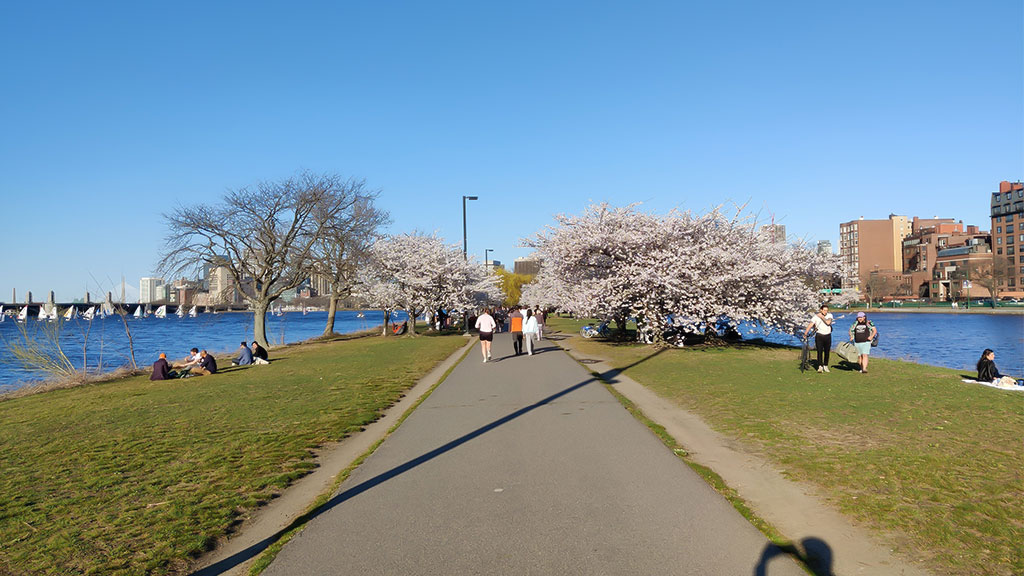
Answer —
(52, 314)
(2, 315)
(23, 315)
(71, 313)
(42, 313)
(181, 312)
(161, 312)
(138, 312)
(89, 313)
(148, 311)
(193, 312)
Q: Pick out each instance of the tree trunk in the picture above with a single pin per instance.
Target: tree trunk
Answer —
(411, 322)
(331, 310)
(259, 322)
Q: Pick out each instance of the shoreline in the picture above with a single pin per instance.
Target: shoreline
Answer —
(959, 311)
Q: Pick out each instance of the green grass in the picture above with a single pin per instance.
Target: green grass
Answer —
(906, 449)
(138, 477)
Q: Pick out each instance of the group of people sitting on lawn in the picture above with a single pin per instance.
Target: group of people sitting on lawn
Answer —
(201, 363)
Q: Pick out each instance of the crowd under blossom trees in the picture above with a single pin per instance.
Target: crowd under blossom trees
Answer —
(676, 270)
(418, 273)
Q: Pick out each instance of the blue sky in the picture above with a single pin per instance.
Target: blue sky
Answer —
(814, 112)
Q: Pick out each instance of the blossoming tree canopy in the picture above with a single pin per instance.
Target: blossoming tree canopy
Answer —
(418, 273)
(679, 268)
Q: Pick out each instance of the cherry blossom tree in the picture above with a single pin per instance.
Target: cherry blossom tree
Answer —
(416, 273)
(680, 269)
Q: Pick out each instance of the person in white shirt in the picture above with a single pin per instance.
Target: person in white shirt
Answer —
(486, 325)
(822, 323)
(530, 331)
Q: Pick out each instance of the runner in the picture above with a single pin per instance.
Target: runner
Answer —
(485, 324)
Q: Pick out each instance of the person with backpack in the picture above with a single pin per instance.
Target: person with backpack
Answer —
(862, 332)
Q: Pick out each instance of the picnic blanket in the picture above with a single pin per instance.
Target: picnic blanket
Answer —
(1012, 387)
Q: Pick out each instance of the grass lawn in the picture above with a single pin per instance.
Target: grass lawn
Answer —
(137, 477)
(906, 448)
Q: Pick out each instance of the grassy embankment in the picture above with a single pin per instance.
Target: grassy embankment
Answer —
(136, 477)
(907, 448)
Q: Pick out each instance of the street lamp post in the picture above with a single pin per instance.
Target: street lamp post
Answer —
(465, 252)
(465, 256)
(486, 251)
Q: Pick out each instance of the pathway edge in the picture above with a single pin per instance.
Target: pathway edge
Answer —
(332, 459)
(796, 509)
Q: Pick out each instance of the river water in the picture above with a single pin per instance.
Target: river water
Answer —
(950, 340)
(106, 344)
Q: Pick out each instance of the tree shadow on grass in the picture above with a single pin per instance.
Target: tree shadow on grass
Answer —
(338, 499)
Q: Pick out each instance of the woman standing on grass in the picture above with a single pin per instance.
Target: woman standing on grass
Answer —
(822, 324)
(485, 324)
(862, 333)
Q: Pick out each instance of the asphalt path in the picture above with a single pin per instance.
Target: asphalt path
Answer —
(527, 465)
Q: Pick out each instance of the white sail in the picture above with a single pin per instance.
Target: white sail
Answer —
(71, 313)
(2, 315)
(161, 312)
(42, 313)
(148, 311)
(89, 313)
(52, 314)
(193, 312)
(138, 312)
(23, 315)
(181, 312)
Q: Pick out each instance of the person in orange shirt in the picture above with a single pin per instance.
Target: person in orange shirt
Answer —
(515, 326)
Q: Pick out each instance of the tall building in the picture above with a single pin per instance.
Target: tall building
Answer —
(932, 238)
(867, 246)
(777, 232)
(221, 286)
(148, 290)
(824, 247)
(526, 266)
(1008, 236)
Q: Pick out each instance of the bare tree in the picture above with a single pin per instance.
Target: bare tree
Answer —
(344, 248)
(263, 235)
(991, 275)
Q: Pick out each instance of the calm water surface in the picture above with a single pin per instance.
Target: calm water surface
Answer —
(106, 345)
(949, 340)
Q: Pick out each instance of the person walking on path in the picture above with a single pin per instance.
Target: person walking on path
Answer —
(822, 324)
(862, 332)
(530, 329)
(515, 327)
(540, 323)
(485, 324)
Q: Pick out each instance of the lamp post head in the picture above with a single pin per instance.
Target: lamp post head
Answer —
(469, 198)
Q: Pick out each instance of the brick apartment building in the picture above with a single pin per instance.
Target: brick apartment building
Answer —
(867, 246)
(1008, 236)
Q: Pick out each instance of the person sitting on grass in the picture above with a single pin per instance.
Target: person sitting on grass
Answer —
(161, 370)
(207, 365)
(244, 355)
(259, 354)
(987, 371)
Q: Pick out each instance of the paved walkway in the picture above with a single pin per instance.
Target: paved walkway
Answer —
(526, 465)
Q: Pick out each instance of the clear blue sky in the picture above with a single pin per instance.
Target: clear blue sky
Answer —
(816, 112)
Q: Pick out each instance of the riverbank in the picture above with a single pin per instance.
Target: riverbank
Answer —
(908, 451)
(133, 476)
(958, 311)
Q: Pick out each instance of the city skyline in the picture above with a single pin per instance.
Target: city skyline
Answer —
(814, 114)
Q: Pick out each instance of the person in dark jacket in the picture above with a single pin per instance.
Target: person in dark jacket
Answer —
(987, 371)
(244, 355)
(207, 365)
(162, 370)
(259, 354)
